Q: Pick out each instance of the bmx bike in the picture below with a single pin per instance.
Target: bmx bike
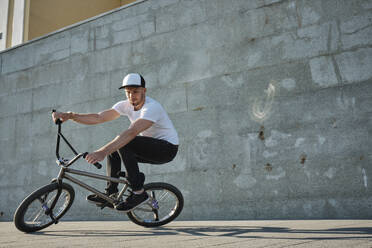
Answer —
(46, 205)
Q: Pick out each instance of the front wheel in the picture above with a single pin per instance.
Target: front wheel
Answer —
(31, 215)
(164, 205)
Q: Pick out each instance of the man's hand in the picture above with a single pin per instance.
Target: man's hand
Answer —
(95, 157)
(62, 116)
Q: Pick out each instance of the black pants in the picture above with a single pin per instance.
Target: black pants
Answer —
(140, 149)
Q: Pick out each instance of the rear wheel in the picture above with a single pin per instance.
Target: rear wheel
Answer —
(31, 215)
(164, 205)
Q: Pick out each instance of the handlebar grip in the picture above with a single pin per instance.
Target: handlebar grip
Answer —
(58, 121)
(97, 165)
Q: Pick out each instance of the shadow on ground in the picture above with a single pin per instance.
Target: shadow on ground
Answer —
(228, 231)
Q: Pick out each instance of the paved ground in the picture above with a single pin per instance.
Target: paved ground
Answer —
(299, 233)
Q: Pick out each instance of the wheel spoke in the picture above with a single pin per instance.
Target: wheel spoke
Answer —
(163, 195)
(37, 215)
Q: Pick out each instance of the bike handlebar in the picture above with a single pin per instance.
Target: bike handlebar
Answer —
(59, 122)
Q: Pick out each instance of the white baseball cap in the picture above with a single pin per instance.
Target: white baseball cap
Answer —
(133, 80)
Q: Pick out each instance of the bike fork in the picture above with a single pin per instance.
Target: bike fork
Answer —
(49, 211)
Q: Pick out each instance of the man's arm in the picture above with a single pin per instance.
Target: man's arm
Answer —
(87, 119)
(124, 138)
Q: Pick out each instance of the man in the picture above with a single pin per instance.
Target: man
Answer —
(151, 138)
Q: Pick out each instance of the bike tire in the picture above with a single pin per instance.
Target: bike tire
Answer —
(168, 206)
(37, 202)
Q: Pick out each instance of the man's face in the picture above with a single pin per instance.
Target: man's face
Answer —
(136, 96)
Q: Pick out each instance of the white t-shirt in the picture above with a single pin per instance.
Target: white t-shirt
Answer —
(152, 110)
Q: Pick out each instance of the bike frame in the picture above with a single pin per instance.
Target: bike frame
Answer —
(63, 174)
(65, 171)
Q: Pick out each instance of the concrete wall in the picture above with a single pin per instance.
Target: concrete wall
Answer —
(272, 100)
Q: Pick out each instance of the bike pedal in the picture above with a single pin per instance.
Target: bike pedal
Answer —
(106, 204)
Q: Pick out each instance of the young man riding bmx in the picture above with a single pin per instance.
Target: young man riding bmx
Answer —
(150, 138)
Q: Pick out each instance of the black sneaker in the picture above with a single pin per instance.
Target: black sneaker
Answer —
(132, 202)
(98, 200)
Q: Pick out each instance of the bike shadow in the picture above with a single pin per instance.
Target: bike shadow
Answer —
(256, 232)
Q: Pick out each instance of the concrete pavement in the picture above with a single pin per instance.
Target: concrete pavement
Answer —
(280, 233)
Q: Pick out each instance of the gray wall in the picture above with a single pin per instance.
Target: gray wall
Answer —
(271, 98)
